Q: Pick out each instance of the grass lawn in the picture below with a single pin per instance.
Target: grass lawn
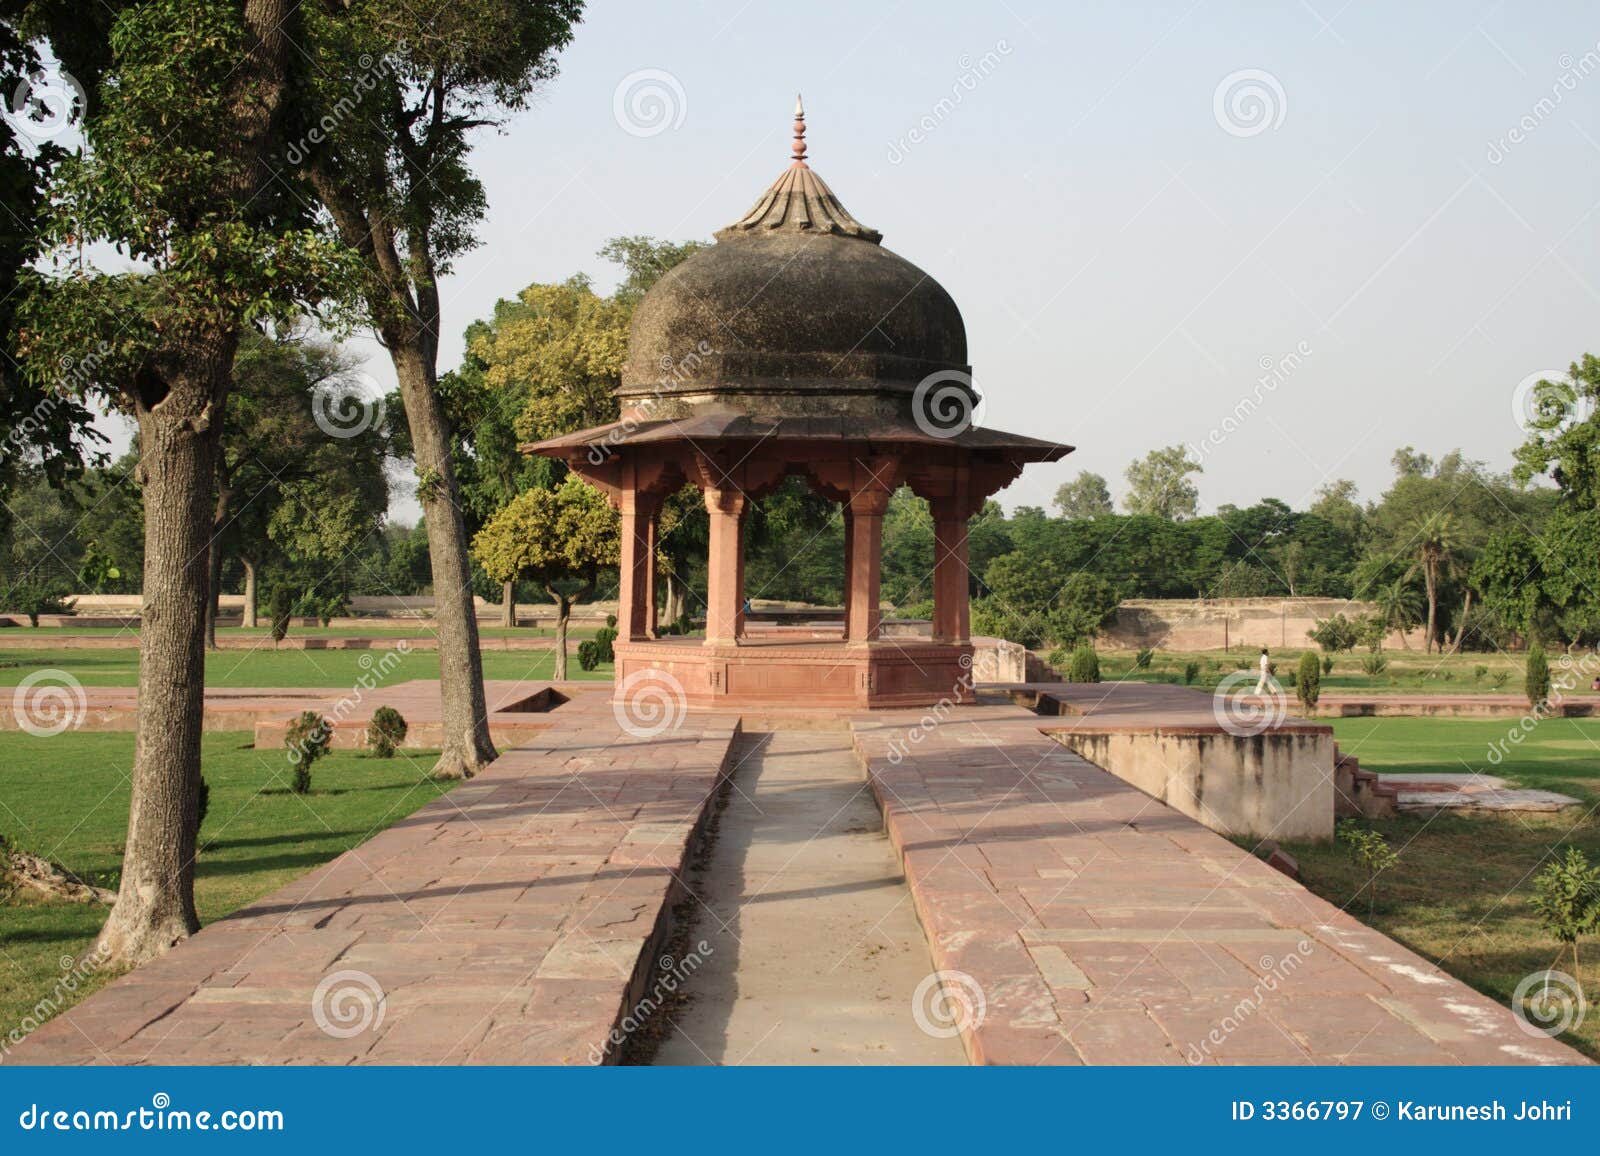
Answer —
(1461, 892)
(422, 629)
(66, 798)
(284, 668)
(1407, 672)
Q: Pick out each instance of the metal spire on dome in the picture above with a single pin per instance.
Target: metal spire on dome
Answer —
(799, 201)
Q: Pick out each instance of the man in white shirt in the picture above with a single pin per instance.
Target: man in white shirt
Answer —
(1266, 671)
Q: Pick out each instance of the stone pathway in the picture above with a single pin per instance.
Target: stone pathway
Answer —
(815, 952)
(1081, 921)
(1446, 790)
(504, 923)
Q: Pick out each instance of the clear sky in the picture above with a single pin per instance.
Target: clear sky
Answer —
(1128, 246)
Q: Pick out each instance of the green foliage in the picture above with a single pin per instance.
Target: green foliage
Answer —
(1566, 898)
(386, 730)
(1086, 496)
(307, 740)
(1336, 635)
(551, 536)
(1536, 676)
(1374, 664)
(34, 594)
(1191, 671)
(1308, 680)
(1158, 484)
(1370, 851)
(1327, 664)
(604, 638)
(1478, 672)
(1499, 679)
(1142, 659)
(1084, 665)
(588, 654)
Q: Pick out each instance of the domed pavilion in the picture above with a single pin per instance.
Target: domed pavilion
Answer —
(798, 345)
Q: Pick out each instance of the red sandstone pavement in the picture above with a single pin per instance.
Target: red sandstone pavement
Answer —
(515, 920)
(1102, 927)
(502, 924)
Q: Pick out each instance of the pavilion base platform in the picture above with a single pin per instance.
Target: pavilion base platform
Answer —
(803, 673)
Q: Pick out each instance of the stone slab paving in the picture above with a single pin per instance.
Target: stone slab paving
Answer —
(508, 922)
(1102, 927)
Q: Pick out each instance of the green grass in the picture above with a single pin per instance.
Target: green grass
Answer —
(422, 629)
(280, 668)
(66, 798)
(1462, 890)
(1408, 672)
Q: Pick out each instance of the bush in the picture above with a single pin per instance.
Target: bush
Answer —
(307, 739)
(1370, 851)
(1327, 664)
(280, 606)
(1478, 672)
(611, 624)
(1085, 665)
(1373, 631)
(1191, 671)
(1498, 679)
(1375, 663)
(1142, 660)
(1336, 634)
(588, 654)
(603, 639)
(1536, 676)
(385, 732)
(34, 596)
(1308, 680)
(1566, 898)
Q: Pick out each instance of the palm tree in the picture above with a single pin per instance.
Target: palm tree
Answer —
(1400, 607)
(1435, 536)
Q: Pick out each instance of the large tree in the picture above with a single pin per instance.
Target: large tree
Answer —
(1086, 496)
(386, 121)
(1159, 485)
(180, 176)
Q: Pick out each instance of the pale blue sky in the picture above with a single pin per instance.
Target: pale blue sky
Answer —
(1123, 261)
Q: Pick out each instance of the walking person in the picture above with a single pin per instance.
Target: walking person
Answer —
(1266, 672)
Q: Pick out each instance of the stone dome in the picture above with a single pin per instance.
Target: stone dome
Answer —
(796, 310)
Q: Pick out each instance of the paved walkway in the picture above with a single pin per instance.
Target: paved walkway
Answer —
(814, 948)
(502, 924)
(1084, 922)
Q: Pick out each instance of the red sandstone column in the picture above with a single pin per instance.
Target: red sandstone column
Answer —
(636, 567)
(952, 619)
(862, 613)
(652, 542)
(724, 589)
(849, 533)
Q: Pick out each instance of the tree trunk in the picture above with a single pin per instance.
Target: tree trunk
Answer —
(248, 621)
(178, 435)
(675, 599)
(1433, 607)
(1461, 627)
(563, 613)
(219, 522)
(466, 746)
(508, 603)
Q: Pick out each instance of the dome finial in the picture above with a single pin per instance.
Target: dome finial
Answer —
(799, 146)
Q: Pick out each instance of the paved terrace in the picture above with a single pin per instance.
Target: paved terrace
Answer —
(515, 920)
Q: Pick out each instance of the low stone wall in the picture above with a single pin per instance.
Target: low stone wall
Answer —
(1242, 624)
(1277, 785)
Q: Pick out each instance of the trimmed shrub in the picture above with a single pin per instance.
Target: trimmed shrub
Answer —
(1142, 660)
(307, 740)
(1308, 680)
(1085, 665)
(603, 639)
(1327, 664)
(1536, 676)
(1191, 671)
(611, 623)
(588, 654)
(1336, 634)
(386, 732)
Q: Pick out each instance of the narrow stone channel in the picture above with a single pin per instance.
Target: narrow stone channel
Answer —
(815, 951)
